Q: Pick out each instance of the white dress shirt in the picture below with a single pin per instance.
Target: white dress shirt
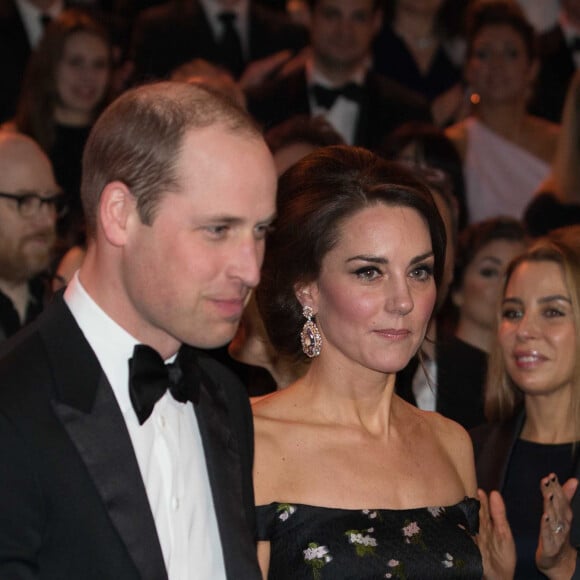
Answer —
(168, 448)
(344, 113)
(425, 385)
(32, 18)
(542, 14)
(213, 10)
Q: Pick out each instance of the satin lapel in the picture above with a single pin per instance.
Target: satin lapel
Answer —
(224, 471)
(88, 410)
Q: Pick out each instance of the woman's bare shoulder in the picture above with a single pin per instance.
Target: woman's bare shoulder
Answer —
(443, 445)
(274, 412)
(542, 137)
(457, 444)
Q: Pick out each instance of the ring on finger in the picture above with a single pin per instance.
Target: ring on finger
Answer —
(558, 528)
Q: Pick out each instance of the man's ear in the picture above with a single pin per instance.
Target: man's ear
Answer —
(116, 205)
(307, 294)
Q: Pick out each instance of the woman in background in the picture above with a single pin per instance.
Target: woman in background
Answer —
(530, 448)
(483, 253)
(506, 152)
(418, 47)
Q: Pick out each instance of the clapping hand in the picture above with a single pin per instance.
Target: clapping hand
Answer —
(555, 556)
(495, 539)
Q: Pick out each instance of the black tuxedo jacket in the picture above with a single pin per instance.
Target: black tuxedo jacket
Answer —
(72, 501)
(385, 105)
(493, 445)
(556, 69)
(461, 370)
(168, 35)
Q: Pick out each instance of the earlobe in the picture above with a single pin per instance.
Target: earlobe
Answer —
(116, 206)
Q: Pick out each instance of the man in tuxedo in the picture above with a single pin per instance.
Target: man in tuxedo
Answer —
(337, 83)
(114, 465)
(30, 201)
(230, 33)
(559, 52)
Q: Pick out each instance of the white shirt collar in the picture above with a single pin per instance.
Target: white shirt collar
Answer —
(212, 11)
(31, 18)
(112, 344)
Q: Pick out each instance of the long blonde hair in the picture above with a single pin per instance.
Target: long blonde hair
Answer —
(502, 395)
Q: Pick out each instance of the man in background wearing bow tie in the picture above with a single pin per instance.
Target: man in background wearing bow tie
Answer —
(559, 53)
(337, 81)
(229, 33)
(111, 464)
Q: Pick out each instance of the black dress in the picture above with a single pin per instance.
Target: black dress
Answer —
(529, 463)
(309, 542)
(393, 59)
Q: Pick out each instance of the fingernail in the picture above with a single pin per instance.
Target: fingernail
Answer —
(553, 478)
(547, 483)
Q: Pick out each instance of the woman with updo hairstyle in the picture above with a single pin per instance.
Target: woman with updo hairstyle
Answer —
(344, 468)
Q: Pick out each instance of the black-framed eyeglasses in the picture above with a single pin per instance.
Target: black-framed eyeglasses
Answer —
(29, 204)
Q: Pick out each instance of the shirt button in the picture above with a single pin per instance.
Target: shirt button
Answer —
(174, 503)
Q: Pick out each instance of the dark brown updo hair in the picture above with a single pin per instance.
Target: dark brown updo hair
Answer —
(485, 13)
(315, 197)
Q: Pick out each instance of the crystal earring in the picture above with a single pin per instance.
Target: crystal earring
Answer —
(310, 335)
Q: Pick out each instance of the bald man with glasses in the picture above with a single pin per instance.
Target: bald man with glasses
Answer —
(30, 203)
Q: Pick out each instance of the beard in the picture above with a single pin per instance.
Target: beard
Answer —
(30, 256)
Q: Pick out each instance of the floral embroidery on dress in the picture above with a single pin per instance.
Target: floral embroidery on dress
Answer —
(320, 543)
(436, 511)
(285, 510)
(450, 562)
(363, 544)
(372, 514)
(316, 557)
(397, 570)
(412, 533)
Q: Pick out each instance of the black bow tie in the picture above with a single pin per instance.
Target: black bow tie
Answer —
(150, 377)
(325, 97)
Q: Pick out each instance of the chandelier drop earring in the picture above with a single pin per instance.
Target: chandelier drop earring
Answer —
(310, 335)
